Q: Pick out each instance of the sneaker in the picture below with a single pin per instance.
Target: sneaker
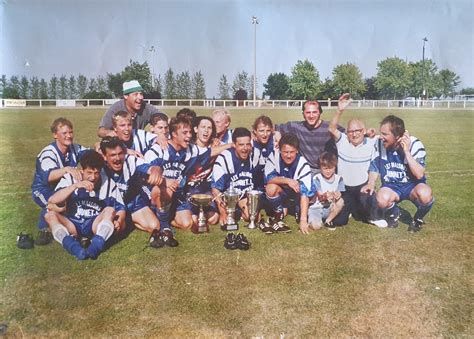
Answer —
(330, 226)
(44, 238)
(230, 241)
(265, 227)
(278, 224)
(242, 242)
(24, 241)
(85, 242)
(155, 239)
(168, 239)
(381, 223)
(392, 220)
(415, 226)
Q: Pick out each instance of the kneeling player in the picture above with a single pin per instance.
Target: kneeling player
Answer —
(91, 205)
(288, 179)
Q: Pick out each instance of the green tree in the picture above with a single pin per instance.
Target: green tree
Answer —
(223, 88)
(241, 81)
(347, 78)
(140, 72)
(250, 87)
(467, 91)
(393, 78)
(448, 81)
(81, 85)
(14, 85)
(43, 89)
(24, 88)
(63, 89)
(277, 86)
(35, 88)
(424, 77)
(101, 85)
(3, 81)
(170, 85)
(304, 80)
(115, 82)
(92, 86)
(183, 85)
(53, 87)
(159, 84)
(371, 92)
(71, 87)
(198, 86)
(327, 90)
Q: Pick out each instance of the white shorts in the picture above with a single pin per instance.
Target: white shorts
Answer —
(317, 213)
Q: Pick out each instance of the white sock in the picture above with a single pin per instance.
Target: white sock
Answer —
(59, 233)
(105, 229)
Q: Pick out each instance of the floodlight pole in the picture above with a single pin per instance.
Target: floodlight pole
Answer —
(152, 50)
(255, 23)
(423, 63)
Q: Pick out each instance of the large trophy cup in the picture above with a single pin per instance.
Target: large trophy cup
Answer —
(231, 197)
(252, 204)
(201, 201)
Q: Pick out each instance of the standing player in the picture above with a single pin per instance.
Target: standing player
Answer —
(400, 161)
(287, 178)
(91, 205)
(54, 161)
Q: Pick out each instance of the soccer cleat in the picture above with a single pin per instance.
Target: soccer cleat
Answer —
(392, 220)
(44, 238)
(330, 226)
(381, 223)
(230, 241)
(168, 239)
(24, 241)
(155, 239)
(242, 242)
(265, 227)
(415, 226)
(278, 224)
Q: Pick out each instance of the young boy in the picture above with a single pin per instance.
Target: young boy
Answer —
(91, 205)
(329, 203)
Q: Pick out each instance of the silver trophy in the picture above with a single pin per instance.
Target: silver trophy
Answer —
(231, 197)
(252, 204)
(201, 201)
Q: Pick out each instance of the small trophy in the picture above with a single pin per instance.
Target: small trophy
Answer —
(201, 201)
(231, 197)
(252, 204)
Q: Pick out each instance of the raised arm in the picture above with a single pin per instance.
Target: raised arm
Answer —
(344, 101)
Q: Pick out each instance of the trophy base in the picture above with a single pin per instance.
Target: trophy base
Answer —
(230, 227)
(203, 229)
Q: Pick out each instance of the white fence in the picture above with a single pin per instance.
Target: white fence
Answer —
(261, 104)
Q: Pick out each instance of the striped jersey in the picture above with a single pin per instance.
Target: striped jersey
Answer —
(298, 170)
(259, 156)
(229, 170)
(227, 137)
(141, 141)
(392, 164)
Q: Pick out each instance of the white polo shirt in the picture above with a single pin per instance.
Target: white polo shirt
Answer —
(353, 163)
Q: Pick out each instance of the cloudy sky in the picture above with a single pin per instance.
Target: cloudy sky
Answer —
(93, 37)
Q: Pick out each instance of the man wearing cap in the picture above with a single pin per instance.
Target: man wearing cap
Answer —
(133, 103)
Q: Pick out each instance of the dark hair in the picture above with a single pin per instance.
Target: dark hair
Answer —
(240, 132)
(289, 139)
(327, 159)
(91, 159)
(187, 112)
(397, 126)
(177, 121)
(263, 119)
(313, 102)
(60, 122)
(110, 143)
(198, 121)
(156, 117)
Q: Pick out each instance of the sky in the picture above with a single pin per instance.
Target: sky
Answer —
(95, 37)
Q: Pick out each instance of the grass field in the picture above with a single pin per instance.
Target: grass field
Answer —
(357, 281)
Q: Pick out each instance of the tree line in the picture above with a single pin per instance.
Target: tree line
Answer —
(395, 79)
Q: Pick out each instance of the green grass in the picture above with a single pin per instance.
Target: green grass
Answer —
(357, 281)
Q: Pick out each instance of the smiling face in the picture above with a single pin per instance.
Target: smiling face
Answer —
(388, 138)
(243, 147)
(133, 101)
(203, 133)
(288, 154)
(64, 136)
(355, 132)
(123, 128)
(311, 113)
(114, 157)
(263, 133)
(182, 137)
(160, 128)
(221, 121)
(91, 174)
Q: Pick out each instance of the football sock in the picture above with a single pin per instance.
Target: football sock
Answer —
(96, 246)
(276, 203)
(422, 210)
(105, 229)
(73, 246)
(59, 233)
(163, 215)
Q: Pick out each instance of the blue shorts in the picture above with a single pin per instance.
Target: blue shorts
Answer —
(137, 204)
(403, 190)
(83, 226)
(40, 197)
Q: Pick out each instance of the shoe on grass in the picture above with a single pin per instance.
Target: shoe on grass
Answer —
(44, 238)
(415, 226)
(380, 223)
(278, 224)
(265, 227)
(242, 242)
(230, 241)
(24, 241)
(330, 226)
(155, 239)
(168, 238)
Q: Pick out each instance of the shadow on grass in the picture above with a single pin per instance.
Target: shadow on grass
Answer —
(405, 217)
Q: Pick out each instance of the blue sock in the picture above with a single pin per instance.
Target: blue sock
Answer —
(96, 246)
(73, 246)
(276, 203)
(422, 210)
(42, 224)
(164, 218)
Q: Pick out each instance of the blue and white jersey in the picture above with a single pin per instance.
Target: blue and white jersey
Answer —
(133, 170)
(392, 165)
(227, 137)
(141, 141)
(259, 156)
(229, 169)
(50, 158)
(322, 185)
(82, 204)
(177, 165)
(299, 170)
(199, 179)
